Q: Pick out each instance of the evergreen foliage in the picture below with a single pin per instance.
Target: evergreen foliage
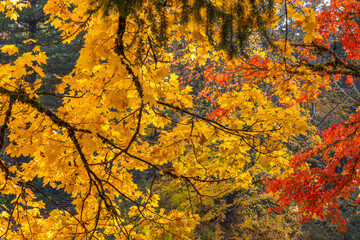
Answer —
(233, 21)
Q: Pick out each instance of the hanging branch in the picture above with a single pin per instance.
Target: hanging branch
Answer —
(2, 137)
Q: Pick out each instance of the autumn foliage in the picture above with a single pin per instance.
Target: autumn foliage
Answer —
(134, 103)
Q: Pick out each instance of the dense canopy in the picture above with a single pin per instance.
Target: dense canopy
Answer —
(203, 99)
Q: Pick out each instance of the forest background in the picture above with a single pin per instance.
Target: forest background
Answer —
(182, 119)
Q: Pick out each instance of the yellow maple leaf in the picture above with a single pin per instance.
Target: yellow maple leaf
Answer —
(39, 71)
(12, 15)
(10, 49)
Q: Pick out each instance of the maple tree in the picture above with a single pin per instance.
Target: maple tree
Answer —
(307, 63)
(123, 86)
(120, 88)
(321, 187)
